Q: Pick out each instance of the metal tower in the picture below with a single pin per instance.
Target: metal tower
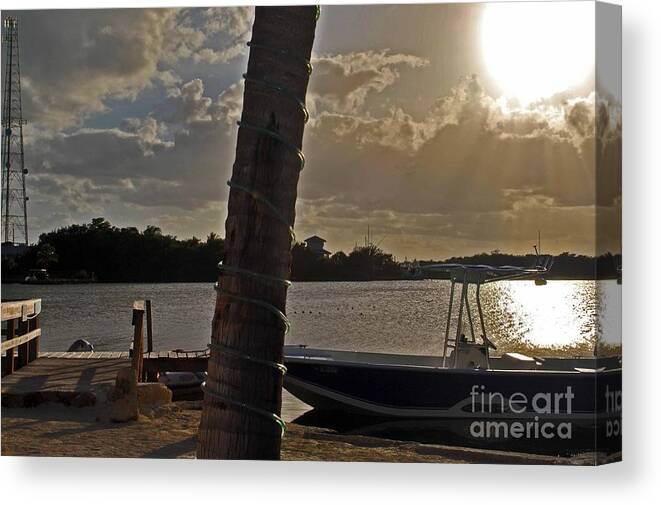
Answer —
(14, 200)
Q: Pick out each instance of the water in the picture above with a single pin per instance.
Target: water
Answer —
(393, 316)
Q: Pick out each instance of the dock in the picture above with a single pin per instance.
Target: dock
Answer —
(67, 380)
(30, 377)
(69, 377)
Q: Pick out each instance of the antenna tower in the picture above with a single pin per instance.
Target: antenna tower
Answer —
(14, 200)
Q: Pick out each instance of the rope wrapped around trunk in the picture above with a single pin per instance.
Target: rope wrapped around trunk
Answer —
(210, 387)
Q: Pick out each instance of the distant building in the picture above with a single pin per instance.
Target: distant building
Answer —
(316, 245)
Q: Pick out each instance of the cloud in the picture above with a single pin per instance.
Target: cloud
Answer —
(235, 21)
(608, 159)
(471, 171)
(74, 65)
(454, 173)
(342, 82)
(580, 117)
(181, 162)
(79, 195)
(396, 130)
(188, 104)
(213, 35)
(472, 163)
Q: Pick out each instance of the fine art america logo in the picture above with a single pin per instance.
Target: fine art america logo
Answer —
(613, 406)
(541, 404)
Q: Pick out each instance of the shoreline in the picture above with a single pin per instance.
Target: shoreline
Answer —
(170, 431)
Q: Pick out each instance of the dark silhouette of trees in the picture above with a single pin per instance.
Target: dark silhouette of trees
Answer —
(46, 256)
(111, 254)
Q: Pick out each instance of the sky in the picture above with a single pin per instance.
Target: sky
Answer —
(448, 129)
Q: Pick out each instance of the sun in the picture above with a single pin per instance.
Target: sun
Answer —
(534, 50)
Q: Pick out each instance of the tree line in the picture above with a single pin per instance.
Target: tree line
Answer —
(105, 253)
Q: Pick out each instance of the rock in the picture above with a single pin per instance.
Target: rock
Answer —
(126, 383)
(122, 400)
(153, 394)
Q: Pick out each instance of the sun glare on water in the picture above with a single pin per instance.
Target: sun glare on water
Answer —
(534, 50)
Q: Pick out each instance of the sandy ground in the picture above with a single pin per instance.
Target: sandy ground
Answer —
(171, 432)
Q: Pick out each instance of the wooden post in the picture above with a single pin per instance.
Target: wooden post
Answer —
(138, 317)
(33, 345)
(23, 359)
(11, 333)
(150, 343)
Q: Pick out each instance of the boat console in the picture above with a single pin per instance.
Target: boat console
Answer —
(469, 354)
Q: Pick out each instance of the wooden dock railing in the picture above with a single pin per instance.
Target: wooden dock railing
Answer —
(23, 332)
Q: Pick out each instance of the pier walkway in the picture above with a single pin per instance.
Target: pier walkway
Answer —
(73, 378)
(64, 379)
(76, 377)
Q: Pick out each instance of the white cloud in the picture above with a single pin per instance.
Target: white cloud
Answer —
(342, 82)
(77, 64)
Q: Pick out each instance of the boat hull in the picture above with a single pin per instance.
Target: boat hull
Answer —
(412, 387)
(571, 406)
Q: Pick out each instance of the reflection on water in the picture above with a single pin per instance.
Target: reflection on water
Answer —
(609, 321)
(521, 315)
(398, 316)
(410, 316)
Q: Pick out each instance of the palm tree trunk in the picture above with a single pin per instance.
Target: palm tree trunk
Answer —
(244, 386)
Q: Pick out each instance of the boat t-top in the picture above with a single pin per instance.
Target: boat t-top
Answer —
(466, 351)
